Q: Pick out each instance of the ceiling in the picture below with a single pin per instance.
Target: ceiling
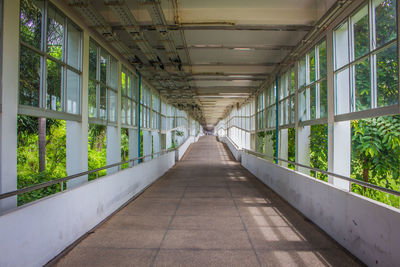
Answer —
(204, 56)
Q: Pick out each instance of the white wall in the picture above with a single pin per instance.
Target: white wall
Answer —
(35, 233)
(9, 100)
(232, 147)
(182, 148)
(368, 229)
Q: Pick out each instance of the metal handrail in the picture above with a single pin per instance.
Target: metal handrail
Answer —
(351, 180)
(70, 177)
(233, 143)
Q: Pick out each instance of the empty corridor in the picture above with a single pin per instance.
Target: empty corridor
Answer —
(207, 211)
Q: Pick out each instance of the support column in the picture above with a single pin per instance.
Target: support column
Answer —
(283, 146)
(77, 132)
(341, 154)
(156, 142)
(113, 147)
(248, 140)
(303, 148)
(9, 102)
(75, 152)
(168, 139)
(146, 144)
(133, 145)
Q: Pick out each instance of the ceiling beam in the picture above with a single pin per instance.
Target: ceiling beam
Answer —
(240, 64)
(194, 27)
(227, 47)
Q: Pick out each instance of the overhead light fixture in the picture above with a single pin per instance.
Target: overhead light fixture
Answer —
(240, 81)
(240, 76)
(219, 96)
(243, 48)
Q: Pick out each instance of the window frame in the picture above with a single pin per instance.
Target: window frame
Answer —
(42, 110)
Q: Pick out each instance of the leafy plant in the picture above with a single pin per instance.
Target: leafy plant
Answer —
(376, 156)
(291, 147)
(319, 150)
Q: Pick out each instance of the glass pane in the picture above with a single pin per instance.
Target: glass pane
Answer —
(292, 110)
(74, 46)
(73, 92)
(385, 21)
(123, 83)
(92, 99)
(313, 102)
(303, 106)
(103, 102)
(361, 32)
(53, 97)
(322, 59)
(362, 85)
(302, 72)
(133, 85)
(92, 61)
(283, 87)
(113, 105)
(103, 66)
(323, 99)
(123, 110)
(29, 77)
(129, 113)
(311, 66)
(292, 82)
(286, 111)
(133, 113)
(342, 90)
(113, 80)
(341, 46)
(31, 22)
(55, 33)
(387, 76)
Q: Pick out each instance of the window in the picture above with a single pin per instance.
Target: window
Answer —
(50, 59)
(155, 113)
(129, 92)
(145, 106)
(103, 84)
(270, 108)
(287, 98)
(312, 98)
(366, 71)
(260, 111)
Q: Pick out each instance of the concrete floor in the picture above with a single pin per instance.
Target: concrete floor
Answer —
(208, 211)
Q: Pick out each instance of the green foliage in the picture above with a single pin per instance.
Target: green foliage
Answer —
(319, 150)
(272, 136)
(174, 142)
(292, 147)
(260, 142)
(376, 156)
(28, 157)
(97, 149)
(124, 147)
(179, 133)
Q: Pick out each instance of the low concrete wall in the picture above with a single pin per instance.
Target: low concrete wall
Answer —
(368, 229)
(232, 147)
(182, 148)
(35, 233)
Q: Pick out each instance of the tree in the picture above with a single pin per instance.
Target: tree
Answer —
(42, 143)
(319, 150)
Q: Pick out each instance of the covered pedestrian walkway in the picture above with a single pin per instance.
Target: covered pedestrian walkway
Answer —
(208, 211)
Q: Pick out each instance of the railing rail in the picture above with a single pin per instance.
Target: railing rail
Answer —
(73, 176)
(233, 143)
(351, 180)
